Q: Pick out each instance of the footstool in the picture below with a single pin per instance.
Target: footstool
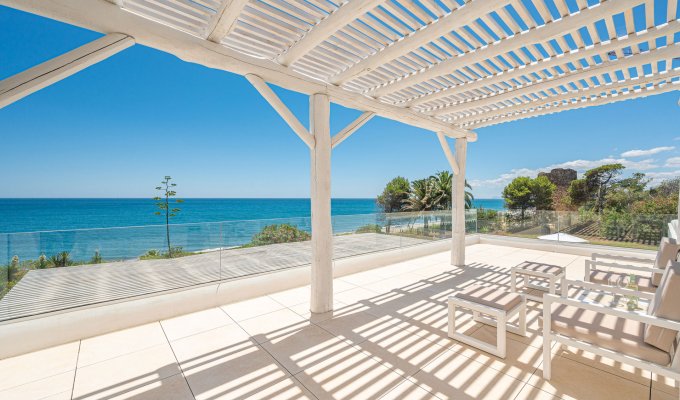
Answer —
(547, 277)
(491, 306)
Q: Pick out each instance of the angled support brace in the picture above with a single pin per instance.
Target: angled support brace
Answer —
(278, 105)
(351, 128)
(30, 81)
(447, 152)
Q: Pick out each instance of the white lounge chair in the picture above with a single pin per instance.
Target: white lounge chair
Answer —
(648, 274)
(646, 340)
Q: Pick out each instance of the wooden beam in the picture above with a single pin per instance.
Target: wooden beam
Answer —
(320, 192)
(447, 152)
(454, 20)
(278, 105)
(541, 34)
(102, 16)
(326, 28)
(458, 206)
(512, 110)
(572, 56)
(352, 127)
(225, 19)
(582, 103)
(607, 67)
(30, 81)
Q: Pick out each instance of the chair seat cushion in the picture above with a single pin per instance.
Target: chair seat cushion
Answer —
(622, 335)
(497, 298)
(608, 277)
(668, 252)
(530, 266)
(665, 305)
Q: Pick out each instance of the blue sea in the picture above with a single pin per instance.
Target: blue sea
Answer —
(127, 228)
(31, 215)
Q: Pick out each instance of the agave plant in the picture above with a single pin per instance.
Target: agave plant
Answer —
(61, 260)
(42, 262)
(96, 258)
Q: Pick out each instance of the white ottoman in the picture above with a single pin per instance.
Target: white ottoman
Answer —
(491, 306)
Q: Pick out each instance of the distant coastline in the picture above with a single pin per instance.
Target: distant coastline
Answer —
(46, 214)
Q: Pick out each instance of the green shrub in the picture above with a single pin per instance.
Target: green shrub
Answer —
(283, 233)
(370, 228)
(62, 259)
(614, 224)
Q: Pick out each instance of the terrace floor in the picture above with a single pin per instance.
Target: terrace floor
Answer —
(55, 289)
(386, 339)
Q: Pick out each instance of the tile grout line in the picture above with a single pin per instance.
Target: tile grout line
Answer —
(179, 365)
(75, 371)
(271, 355)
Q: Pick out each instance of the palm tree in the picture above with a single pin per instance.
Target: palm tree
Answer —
(443, 188)
(421, 198)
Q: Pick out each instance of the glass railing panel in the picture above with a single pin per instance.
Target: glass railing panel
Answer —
(261, 246)
(58, 270)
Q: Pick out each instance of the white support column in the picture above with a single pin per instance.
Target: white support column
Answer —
(322, 232)
(458, 207)
(30, 81)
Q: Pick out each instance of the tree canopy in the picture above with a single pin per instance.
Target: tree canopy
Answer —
(395, 193)
(428, 194)
(524, 193)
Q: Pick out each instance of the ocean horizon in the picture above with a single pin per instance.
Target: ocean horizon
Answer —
(51, 214)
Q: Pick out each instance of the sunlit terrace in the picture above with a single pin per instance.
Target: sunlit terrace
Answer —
(386, 338)
(379, 306)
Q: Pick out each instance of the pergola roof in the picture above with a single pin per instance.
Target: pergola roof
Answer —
(444, 65)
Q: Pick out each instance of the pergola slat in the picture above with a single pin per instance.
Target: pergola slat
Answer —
(327, 27)
(651, 56)
(549, 31)
(435, 64)
(601, 100)
(457, 18)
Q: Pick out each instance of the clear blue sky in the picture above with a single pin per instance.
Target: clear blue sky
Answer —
(115, 129)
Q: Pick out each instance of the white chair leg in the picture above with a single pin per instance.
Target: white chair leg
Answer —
(501, 326)
(547, 359)
(523, 317)
(547, 340)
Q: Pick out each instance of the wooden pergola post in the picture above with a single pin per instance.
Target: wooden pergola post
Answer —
(322, 231)
(458, 207)
(457, 163)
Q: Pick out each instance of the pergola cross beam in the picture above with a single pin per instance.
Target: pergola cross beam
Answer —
(223, 22)
(30, 81)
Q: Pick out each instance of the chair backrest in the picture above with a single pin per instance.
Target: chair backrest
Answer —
(668, 252)
(665, 305)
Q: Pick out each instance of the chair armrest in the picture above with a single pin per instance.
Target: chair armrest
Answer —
(549, 299)
(629, 259)
(594, 263)
(611, 290)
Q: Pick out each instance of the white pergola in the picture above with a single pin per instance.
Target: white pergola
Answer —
(448, 66)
